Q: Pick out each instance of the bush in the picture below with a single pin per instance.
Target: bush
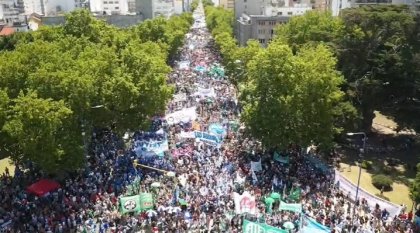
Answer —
(384, 181)
(366, 165)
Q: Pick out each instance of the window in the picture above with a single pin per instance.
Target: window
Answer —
(272, 23)
(289, 13)
(245, 6)
(280, 13)
(117, 8)
(261, 31)
(111, 2)
(262, 41)
(244, 0)
(105, 8)
(272, 31)
(262, 23)
(105, 2)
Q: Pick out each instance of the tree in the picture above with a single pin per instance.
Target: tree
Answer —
(312, 27)
(292, 98)
(377, 58)
(415, 187)
(63, 73)
(37, 127)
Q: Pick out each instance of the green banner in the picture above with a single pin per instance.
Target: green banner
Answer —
(281, 159)
(295, 194)
(130, 204)
(254, 227)
(297, 208)
(146, 201)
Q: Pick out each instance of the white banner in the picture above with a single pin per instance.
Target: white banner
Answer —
(347, 187)
(244, 203)
(256, 166)
(202, 92)
(185, 115)
(180, 97)
(187, 134)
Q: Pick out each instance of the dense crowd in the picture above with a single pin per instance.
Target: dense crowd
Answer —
(199, 197)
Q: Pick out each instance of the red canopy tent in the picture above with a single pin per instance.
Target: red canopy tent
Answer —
(43, 187)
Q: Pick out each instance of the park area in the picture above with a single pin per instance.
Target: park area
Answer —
(386, 155)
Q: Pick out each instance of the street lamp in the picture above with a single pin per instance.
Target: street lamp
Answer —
(362, 151)
(83, 126)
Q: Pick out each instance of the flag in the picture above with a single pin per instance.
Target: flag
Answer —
(130, 204)
(295, 194)
(146, 201)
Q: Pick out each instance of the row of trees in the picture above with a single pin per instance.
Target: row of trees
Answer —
(288, 95)
(323, 74)
(58, 83)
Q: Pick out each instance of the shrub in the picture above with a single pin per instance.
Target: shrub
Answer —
(380, 181)
(366, 165)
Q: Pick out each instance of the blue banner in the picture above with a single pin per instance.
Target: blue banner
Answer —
(144, 148)
(312, 226)
(207, 137)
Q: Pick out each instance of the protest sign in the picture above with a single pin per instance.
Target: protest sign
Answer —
(180, 97)
(151, 147)
(207, 137)
(185, 115)
(256, 166)
(244, 203)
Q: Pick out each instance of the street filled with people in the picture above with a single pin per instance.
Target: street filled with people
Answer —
(204, 174)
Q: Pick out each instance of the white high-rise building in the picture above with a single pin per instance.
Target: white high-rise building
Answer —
(49, 7)
(119, 7)
(9, 11)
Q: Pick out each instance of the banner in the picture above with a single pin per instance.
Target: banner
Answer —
(297, 208)
(187, 134)
(130, 204)
(203, 136)
(185, 115)
(217, 129)
(256, 166)
(244, 203)
(145, 148)
(202, 92)
(254, 227)
(180, 97)
(146, 201)
(282, 159)
(183, 65)
(312, 226)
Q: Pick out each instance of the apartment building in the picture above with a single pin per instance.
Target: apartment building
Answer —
(155, 8)
(109, 7)
(10, 11)
(49, 7)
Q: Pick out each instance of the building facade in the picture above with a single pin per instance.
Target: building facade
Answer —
(257, 19)
(109, 7)
(155, 8)
(10, 11)
(227, 4)
(49, 7)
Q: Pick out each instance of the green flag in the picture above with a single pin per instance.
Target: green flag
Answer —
(130, 204)
(146, 201)
(295, 194)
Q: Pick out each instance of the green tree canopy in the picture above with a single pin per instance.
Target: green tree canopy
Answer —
(292, 98)
(377, 56)
(312, 27)
(63, 81)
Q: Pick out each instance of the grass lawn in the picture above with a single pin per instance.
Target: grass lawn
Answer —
(399, 195)
(6, 163)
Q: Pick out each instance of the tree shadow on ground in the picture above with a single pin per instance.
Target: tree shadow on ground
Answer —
(397, 162)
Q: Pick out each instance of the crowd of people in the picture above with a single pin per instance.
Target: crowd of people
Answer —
(208, 170)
